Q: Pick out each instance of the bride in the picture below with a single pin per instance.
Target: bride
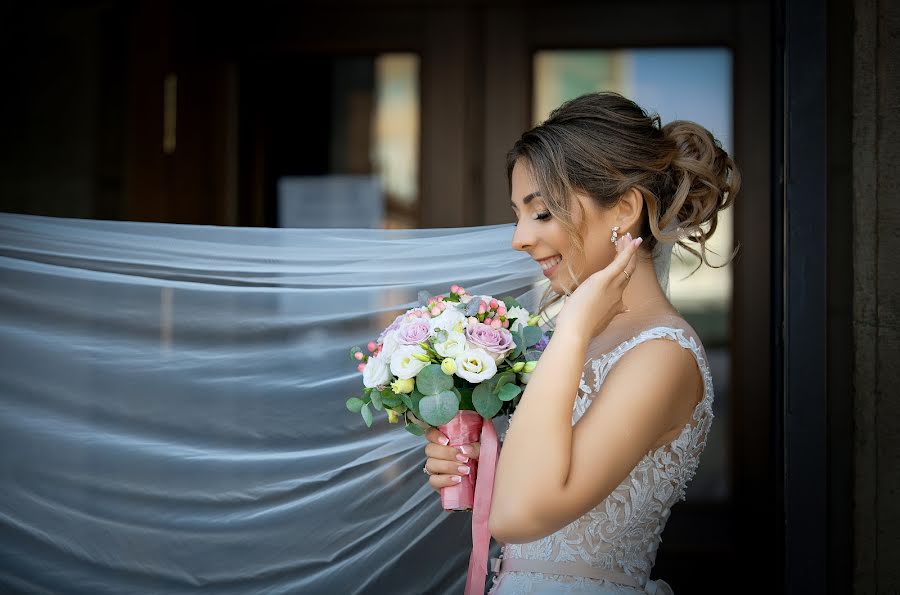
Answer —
(613, 420)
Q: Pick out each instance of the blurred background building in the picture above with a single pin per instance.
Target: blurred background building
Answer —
(399, 113)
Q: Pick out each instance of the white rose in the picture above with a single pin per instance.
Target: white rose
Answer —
(403, 364)
(454, 345)
(521, 316)
(475, 365)
(447, 319)
(376, 372)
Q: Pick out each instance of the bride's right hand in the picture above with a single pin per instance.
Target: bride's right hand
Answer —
(447, 462)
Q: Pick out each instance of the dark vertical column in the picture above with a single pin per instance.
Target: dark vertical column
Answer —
(805, 348)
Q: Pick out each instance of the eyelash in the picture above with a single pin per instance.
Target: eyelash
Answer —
(540, 217)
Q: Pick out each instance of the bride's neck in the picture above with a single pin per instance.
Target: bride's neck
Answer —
(643, 290)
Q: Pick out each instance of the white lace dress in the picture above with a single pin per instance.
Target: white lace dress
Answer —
(622, 533)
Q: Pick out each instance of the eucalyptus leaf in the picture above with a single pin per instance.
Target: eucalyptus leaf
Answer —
(504, 379)
(406, 399)
(511, 302)
(391, 400)
(439, 409)
(485, 401)
(376, 400)
(509, 392)
(415, 398)
(367, 414)
(354, 404)
(472, 306)
(532, 355)
(432, 380)
(532, 335)
(414, 429)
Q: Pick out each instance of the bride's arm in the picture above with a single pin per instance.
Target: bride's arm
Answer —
(549, 473)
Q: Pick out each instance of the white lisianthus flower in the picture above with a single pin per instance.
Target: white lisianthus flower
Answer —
(376, 372)
(447, 319)
(390, 345)
(403, 364)
(521, 316)
(454, 345)
(475, 365)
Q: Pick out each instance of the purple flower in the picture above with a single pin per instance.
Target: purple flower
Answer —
(542, 344)
(414, 331)
(496, 341)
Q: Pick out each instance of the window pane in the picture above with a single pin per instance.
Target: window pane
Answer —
(353, 159)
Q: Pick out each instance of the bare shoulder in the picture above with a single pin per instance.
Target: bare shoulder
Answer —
(662, 367)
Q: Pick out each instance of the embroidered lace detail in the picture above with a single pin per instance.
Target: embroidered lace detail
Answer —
(624, 531)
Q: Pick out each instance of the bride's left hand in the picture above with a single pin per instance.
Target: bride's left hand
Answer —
(597, 300)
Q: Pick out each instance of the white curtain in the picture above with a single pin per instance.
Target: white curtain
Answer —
(172, 414)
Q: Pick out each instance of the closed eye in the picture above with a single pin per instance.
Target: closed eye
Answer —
(539, 217)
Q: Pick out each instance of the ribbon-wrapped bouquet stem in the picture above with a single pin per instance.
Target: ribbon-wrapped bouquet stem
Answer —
(454, 363)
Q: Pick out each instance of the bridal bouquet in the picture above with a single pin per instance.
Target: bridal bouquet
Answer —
(450, 363)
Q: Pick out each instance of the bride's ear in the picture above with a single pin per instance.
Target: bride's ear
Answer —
(629, 210)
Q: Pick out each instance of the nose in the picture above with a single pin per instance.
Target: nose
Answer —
(523, 238)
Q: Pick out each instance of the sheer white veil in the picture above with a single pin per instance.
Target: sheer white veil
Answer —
(172, 411)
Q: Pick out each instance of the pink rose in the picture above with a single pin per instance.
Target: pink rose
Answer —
(496, 341)
(414, 331)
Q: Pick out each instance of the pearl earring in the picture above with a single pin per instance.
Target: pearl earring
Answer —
(615, 235)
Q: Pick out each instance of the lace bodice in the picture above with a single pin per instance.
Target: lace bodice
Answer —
(623, 532)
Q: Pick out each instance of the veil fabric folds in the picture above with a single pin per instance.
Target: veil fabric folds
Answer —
(172, 412)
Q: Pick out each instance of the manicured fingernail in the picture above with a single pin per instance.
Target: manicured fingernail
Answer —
(638, 241)
(628, 235)
(462, 458)
(456, 479)
(463, 469)
(445, 441)
(463, 449)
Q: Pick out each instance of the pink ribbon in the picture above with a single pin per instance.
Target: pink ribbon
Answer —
(484, 490)
(465, 429)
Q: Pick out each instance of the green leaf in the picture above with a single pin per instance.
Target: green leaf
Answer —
(414, 429)
(367, 414)
(509, 392)
(510, 302)
(354, 404)
(485, 401)
(406, 400)
(532, 355)
(376, 400)
(390, 399)
(432, 380)
(439, 409)
(415, 398)
(532, 335)
(504, 379)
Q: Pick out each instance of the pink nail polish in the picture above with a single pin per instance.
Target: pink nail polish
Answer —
(463, 470)
(462, 458)
(456, 479)
(445, 441)
(638, 241)
(463, 449)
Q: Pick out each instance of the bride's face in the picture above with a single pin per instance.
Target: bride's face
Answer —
(544, 239)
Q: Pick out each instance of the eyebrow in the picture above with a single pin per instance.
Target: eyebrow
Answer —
(525, 200)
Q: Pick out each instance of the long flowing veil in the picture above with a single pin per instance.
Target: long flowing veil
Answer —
(172, 412)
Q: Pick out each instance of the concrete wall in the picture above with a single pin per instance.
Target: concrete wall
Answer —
(876, 316)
